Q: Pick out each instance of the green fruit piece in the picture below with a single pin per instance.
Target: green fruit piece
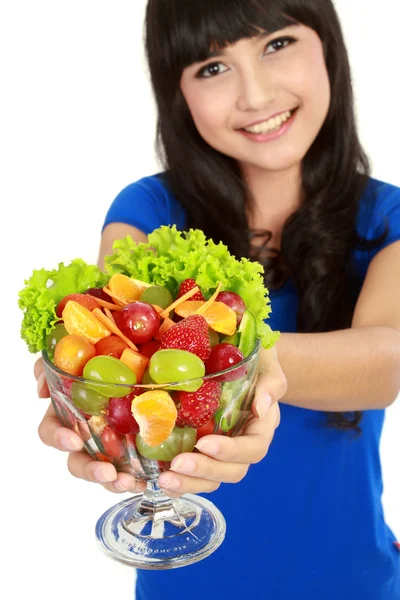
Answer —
(52, 338)
(232, 339)
(214, 337)
(182, 439)
(248, 333)
(146, 379)
(157, 295)
(170, 366)
(107, 369)
(88, 400)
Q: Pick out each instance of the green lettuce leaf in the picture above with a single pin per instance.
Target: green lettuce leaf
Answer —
(172, 256)
(45, 289)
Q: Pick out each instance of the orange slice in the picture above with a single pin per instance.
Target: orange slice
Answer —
(179, 301)
(211, 300)
(125, 289)
(219, 316)
(81, 321)
(155, 413)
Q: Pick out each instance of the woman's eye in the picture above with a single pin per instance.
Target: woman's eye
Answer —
(279, 44)
(211, 70)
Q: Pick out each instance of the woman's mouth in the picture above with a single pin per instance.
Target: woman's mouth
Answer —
(272, 128)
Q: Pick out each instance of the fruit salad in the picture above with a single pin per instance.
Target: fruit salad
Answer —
(161, 349)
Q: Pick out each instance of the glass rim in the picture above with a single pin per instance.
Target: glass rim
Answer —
(151, 386)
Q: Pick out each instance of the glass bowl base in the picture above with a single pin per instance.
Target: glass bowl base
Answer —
(181, 533)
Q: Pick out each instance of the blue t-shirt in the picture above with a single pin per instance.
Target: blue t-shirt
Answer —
(316, 497)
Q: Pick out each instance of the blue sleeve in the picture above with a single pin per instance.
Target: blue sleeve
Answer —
(146, 204)
(384, 214)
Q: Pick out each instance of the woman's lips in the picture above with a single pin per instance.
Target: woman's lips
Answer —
(273, 135)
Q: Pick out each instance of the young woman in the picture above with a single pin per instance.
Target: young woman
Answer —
(257, 134)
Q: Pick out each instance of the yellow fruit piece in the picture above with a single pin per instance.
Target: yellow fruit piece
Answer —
(155, 413)
(80, 321)
(125, 289)
(136, 362)
(219, 316)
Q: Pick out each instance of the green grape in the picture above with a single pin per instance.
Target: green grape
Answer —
(54, 337)
(157, 295)
(87, 400)
(170, 366)
(214, 337)
(232, 339)
(182, 439)
(108, 369)
(248, 333)
(146, 379)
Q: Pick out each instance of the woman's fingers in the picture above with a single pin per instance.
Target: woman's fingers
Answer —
(221, 459)
(80, 463)
(53, 434)
(42, 387)
(177, 485)
(271, 383)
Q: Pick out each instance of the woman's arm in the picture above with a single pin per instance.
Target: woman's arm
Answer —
(116, 231)
(357, 368)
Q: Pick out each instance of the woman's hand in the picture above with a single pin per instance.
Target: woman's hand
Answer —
(80, 463)
(220, 459)
(223, 459)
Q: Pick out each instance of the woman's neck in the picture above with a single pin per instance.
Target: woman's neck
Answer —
(275, 195)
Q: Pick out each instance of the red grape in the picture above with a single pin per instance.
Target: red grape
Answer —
(150, 348)
(119, 415)
(138, 321)
(224, 356)
(234, 302)
(99, 293)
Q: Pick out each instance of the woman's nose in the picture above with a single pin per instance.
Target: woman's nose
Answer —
(256, 91)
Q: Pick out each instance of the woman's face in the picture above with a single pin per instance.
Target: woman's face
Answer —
(278, 82)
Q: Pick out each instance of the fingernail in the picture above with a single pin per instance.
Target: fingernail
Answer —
(69, 443)
(40, 382)
(183, 465)
(100, 475)
(263, 404)
(169, 482)
(208, 447)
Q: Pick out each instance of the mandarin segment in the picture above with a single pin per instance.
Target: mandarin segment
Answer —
(124, 288)
(155, 412)
(219, 316)
(79, 320)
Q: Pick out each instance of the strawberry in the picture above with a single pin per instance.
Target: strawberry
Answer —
(195, 409)
(188, 285)
(191, 335)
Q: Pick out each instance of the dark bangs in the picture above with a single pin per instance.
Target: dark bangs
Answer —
(188, 29)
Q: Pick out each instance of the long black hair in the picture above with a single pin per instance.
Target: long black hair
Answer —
(319, 238)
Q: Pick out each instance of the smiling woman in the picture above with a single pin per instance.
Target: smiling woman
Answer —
(271, 87)
(258, 140)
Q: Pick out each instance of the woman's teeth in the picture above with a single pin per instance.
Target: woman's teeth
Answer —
(271, 125)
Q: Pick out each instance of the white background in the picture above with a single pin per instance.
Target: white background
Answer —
(77, 125)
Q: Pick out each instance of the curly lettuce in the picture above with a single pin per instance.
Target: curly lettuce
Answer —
(45, 289)
(171, 256)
